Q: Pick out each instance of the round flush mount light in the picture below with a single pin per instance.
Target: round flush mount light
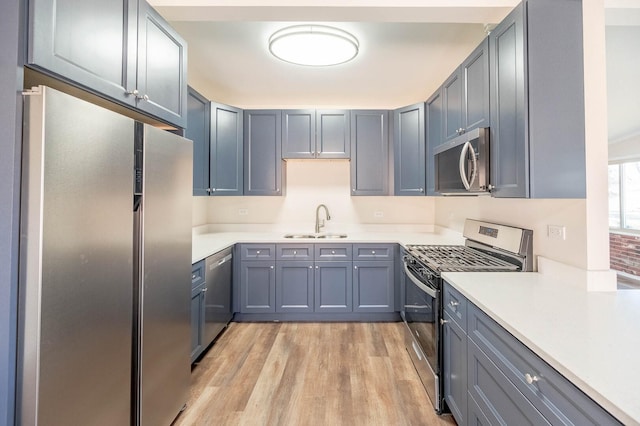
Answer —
(313, 45)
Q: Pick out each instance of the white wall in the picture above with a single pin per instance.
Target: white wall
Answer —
(536, 215)
(310, 183)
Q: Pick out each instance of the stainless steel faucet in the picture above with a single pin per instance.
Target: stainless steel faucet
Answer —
(320, 224)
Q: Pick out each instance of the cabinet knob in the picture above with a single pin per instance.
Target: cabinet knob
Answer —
(353, 190)
(421, 189)
(133, 92)
(333, 252)
(311, 267)
(204, 290)
(453, 303)
(355, 267)
(373, 252)
(145, 98)
(257, 251)
(531, 379)
(316, 266)
(193, 277)
(271, 266)
(443, 321)
(295, 252)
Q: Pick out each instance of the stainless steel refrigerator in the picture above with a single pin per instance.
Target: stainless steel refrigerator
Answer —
(105, 267)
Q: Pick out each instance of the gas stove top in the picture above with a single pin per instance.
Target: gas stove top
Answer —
(445, 258)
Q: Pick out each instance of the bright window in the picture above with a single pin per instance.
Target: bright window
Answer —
(624, 196)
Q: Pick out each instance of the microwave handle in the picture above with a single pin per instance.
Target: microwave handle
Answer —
(463, 175)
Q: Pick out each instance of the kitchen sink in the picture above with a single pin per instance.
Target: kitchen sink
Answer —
(324, 236)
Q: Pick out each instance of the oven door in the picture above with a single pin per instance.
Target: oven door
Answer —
(421, 313)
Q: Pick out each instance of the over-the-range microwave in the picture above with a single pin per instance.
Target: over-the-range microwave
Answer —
(462, 164)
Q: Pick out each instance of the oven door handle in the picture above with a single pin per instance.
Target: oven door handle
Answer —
(430, 291)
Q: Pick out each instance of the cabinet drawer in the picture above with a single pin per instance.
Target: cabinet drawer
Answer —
(455, 304)
(294, 252)
(333, 251)
(197, 274)
(373, 251)
(550, 392)
(257, 252)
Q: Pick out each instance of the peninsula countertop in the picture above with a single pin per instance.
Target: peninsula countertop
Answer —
(592, 338)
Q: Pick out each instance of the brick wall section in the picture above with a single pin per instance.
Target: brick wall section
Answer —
(625, 253)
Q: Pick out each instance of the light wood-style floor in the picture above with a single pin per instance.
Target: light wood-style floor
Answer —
(308, 374)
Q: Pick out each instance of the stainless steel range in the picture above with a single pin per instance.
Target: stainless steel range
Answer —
(488, 247)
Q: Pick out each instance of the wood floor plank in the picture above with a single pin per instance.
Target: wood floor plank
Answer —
(308, 374)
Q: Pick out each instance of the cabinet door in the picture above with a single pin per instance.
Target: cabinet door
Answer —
(226, 150)
(373, 286)
(257, 287)
(409, 147)
(299, 133)
(369, 152)
(198, 131)
(197, 321)
(433, 112)
(262, 152)
(496, 396)
(162, 68)
(455, 369)
(333, 136)
(475, 70)
(509, 138)
(452, 97)
(294, 286)
(91, 43)
(333, 287)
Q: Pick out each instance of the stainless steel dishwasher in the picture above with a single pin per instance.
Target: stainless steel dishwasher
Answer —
(218, 278)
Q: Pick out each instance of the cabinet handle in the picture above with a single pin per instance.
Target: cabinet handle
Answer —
(531, 379)
(454, 303)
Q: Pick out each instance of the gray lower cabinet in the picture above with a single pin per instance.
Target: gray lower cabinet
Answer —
(373, 286)
(454, 339)
(369, 152)
(537, 128)
(333, 287)
(294, 286)
(409, 150)
(506, 382)
(263, 168)
(197, 308)
(258, 286)
(121, 49)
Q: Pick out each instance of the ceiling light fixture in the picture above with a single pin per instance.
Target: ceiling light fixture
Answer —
(313, 45)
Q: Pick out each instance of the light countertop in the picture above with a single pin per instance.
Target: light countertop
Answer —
(206, 244)
(592, 338)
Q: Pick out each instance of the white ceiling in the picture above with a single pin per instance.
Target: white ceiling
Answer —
(408, 47)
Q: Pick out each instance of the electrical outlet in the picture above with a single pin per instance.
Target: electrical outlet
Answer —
(557, 232)
(378, 214)
(243, 212)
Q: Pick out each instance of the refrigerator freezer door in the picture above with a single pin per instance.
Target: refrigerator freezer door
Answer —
(76, 263)
(166, 280)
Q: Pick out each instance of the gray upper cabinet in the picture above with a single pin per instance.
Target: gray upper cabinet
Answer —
(433, 118)
(299, 133)
(315, 134)
(120, 49)
(226, 158)
(333, 136)
(465, 94)
(409, 150)
(262, 152)
(369, 152)
(162, 88)
(537, 102)
(475, 104)
(452, 94)
(198, 131)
